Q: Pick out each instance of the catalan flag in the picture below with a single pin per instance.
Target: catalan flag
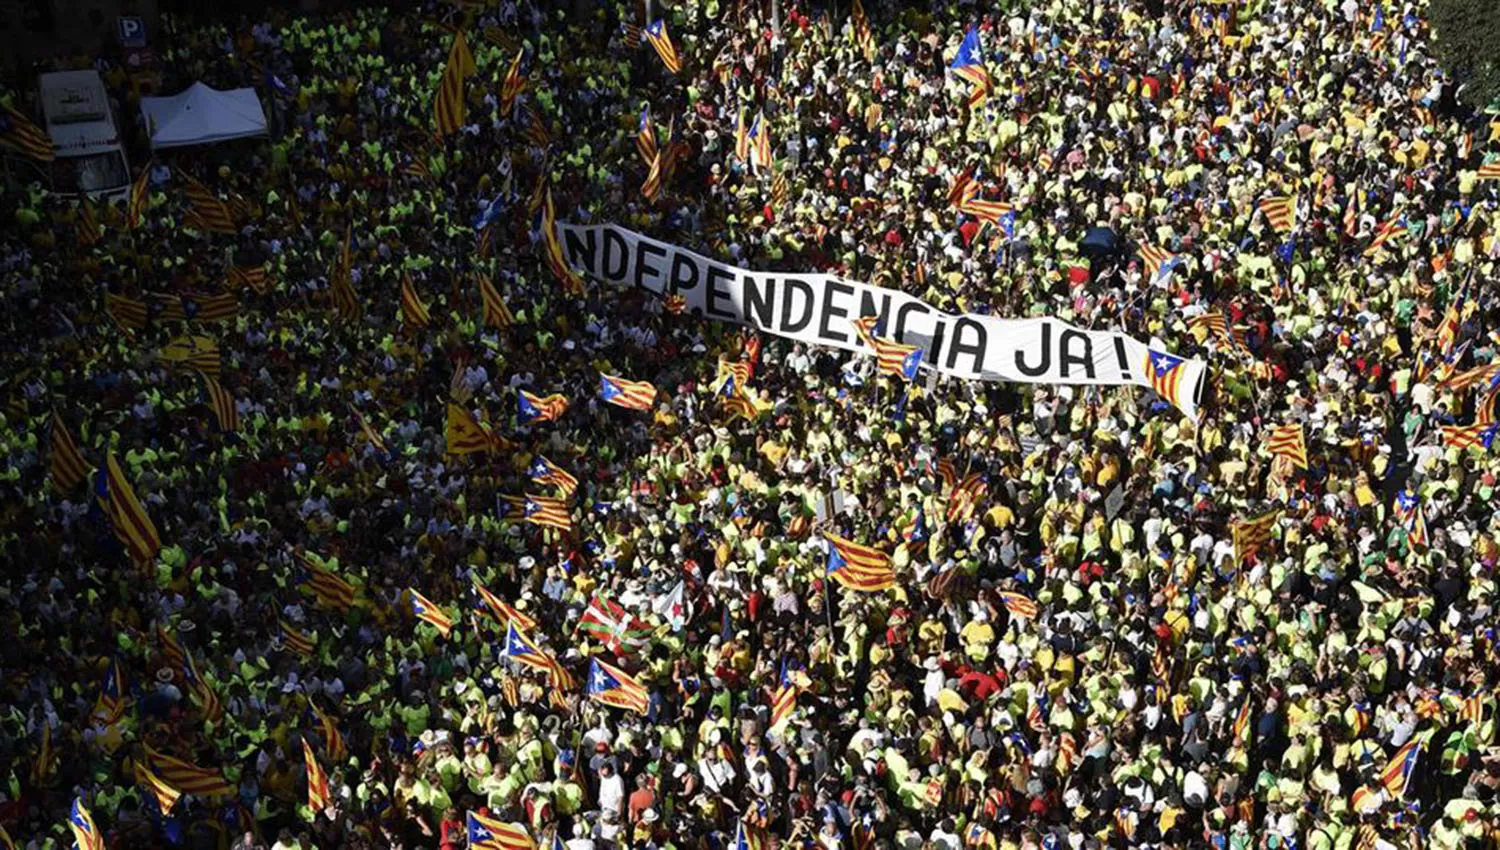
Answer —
(20, 134)
(207, 211)
(1469, 377)
(84, 831)
(318, 795)
(513, 85)
(1239, 730)
(369, 432)
(1489, 171)
(297, 641)
(140, 198)
(1019, 605)
(188, 778)
(1250, 535)
(781, 190)
(760, 143)
(946, 473)
(338, 751)
(651, 189)
(858, 567)
(171, 650)
(113, 695)
(1447, 335)
(159, 790)
(1281, 212)
(224, 307)
(534, 127)
(203, 692)
(784, 701)
(968, 64)
(486, 833)
(330, 589)
(341, 281)
(963, 188)
(742, 138)
(1212, 324)
(737, 400)
(645, 137)
(546, 472)
(501, 612)
(132, 525)
(547, 512)
(899, 359)
(1398, 770)
(254, 277)
(448, 106)
(222, 404)
(1469, 436)
(987, 211)
(65, 463)
(534, 408)
(1407, 511)
(87, 229)
(46, 756)
(1287, 441)
(632, 35)
(127, 313)
(191, 351)
(632, 395)
(466, 435)
(862, 34)
(1390, 230)
(524, 651)
(428, 611)
(1159, 263)
(1353, 208)
(656, 33)
(1164, 373)
(612, 686)
(413, 311)
(496, 314)
(965, 498)
(572, 283)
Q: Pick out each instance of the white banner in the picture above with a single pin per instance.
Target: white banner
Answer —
(819, 309)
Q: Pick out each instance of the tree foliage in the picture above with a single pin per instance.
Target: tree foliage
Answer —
(1467, 38)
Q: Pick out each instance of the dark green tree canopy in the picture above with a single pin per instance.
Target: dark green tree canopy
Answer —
(1467, 36)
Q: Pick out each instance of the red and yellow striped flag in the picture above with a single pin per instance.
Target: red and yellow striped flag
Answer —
(131, 523)
(413, 311)
(188, 778)
(222, 404)
(22, 135)
(1281, 212)
(65, 463)
(858, 567)
(296, 641)
(1287, 441)
(140, 198)
(341, 281)
(317, 780)
(161, 791)
(448, 106)
(207, 211)
(513, 85)
(862, 34)
(496, 314)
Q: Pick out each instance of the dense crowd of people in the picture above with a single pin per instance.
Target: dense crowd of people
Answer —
(1149, 632)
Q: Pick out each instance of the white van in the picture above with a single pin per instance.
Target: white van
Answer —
(89, 153)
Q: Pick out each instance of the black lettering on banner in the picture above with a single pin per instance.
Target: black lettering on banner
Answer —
(720, 293)
(796, 286)
(760, 299)
(935, 347)
(684, 272)
(643, 268)
(867, 306)
(961, 345)
(1067, 357)
(615, 247)
(1037, 371)
(581, 244)
(832, 311)
(901, 313)
(1124, 360)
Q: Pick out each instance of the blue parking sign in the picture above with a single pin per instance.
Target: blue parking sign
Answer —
(132, 31)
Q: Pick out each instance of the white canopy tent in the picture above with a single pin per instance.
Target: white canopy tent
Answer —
(202, 115)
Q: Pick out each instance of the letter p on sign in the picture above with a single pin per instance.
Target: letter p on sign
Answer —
(132, 31)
